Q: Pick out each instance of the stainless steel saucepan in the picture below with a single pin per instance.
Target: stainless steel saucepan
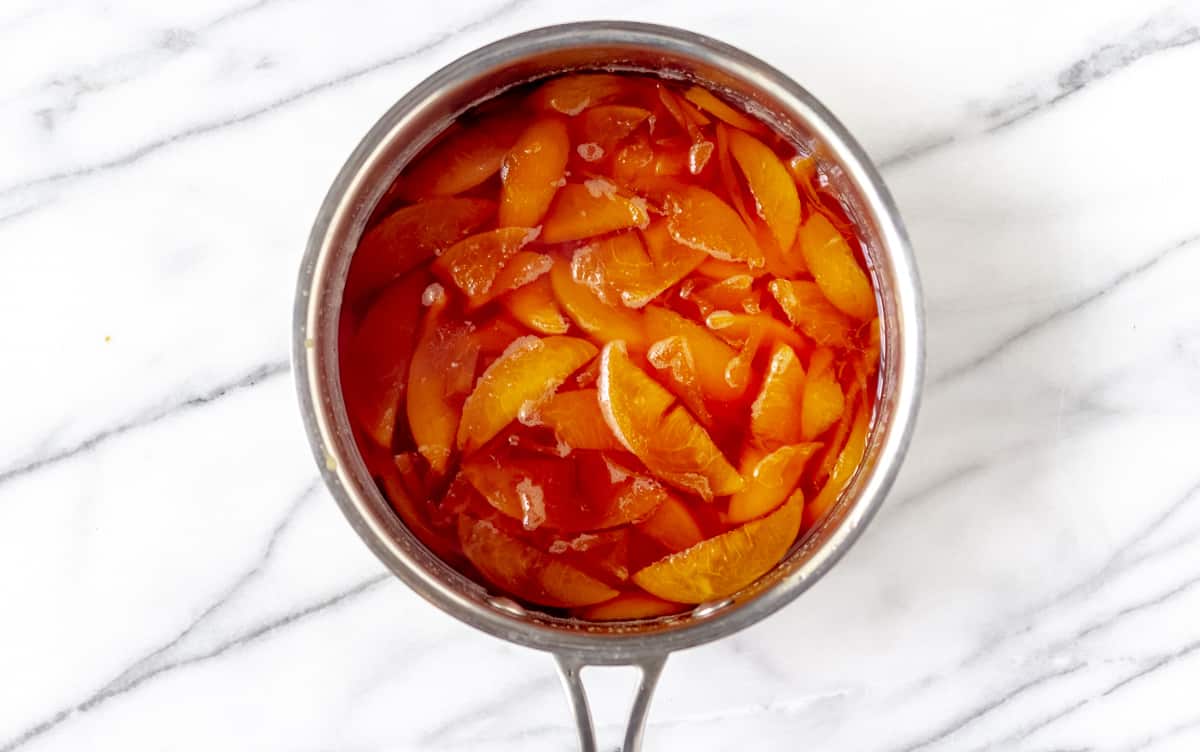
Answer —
(400, 134)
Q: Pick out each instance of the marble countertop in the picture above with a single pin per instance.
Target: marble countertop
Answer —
(176, 578)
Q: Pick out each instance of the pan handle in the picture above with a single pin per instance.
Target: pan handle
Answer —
(569, 668)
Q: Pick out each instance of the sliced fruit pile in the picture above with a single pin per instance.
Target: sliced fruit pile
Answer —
(609, 346)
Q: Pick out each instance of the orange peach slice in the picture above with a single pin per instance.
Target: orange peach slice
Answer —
(673, 357)
(810, 312)
(835, 269)
(376, 361)
(434, 374)
(526, 374)
(532, 172)
(533, 490)
(672, 526)
(737, 328)
(607, 124)
(572, 94)
(774, 191)
(474, 263)
(495, 335)
(773, 415)
(524, 267)
(621, 270)
(524, 571)
(707, 101)
(534, 306)
(709, 353)
(584, 210)
(823, 399)
(843, 469)
(722, 565)
(409, 237)
(718, 269)
(663, 435)
(770, 479)
(726, 294)
(615, 494)
(602, 322)
(576, 420)
(466, 157)
(699, 219)
(738, 370)
(828, 455)
(630, 606)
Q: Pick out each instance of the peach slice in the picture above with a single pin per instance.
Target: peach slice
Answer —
(709, 353)
(718, 269)
(376, 360)
(699, 219)
(526, 373)
(584, 210)
(707, 101)
(524, 571)
(835, 269)
(464, 158)
(773, 414)
(409, 237)
(495, 335)
(437, 363)
(630, 606)
(572, 94)
(728, 293)
(770, 478)
(737, 328)
(722, 565)
(843, 469)
(577, 422)
(810, 312)
(823, 400)
(621, 270)
(672, 525)
(532, 172)
(616, 494)
(536, 491)
(524, 267)
(475, 262)
(607, 124)
(603, 322)
(738, 370)
(673, 357)
(828, 455)
(534, 306)
(663, 435)
(774, 191)
(406, 505)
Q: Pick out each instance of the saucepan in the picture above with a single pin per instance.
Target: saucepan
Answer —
(400, 134)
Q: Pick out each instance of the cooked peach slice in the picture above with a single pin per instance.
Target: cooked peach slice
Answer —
(534, 306)
(526, 374)
(823, 399)
(727, 294)
(672, 525)
(737, 328)
(474, 263)
(707, 101)
(843, 469)
(407, 507)
(673, 358)
(466, 157)
(603, 322)
(722, 565)
(773, 415)
(614, 492)
(495, 335)
(437, 363)
(526, 572)
(770, 478)
(536, 491)
(630, 606)
(718, 269)
(524, 267)
(774, 191)
(663, 435)
(709, 353)
(737, 371)
(621, 270)
(607, 124)
(532, 172)
(572, 94)
(375, 366)
(810, 312)
(577, 422)
(827, 457)
(835, 269)
(699, 219)
(409, 237)
(584, 210)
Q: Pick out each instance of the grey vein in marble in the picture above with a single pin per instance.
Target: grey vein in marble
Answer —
(136, 155)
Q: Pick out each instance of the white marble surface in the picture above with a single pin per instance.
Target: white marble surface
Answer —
(174, 578)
